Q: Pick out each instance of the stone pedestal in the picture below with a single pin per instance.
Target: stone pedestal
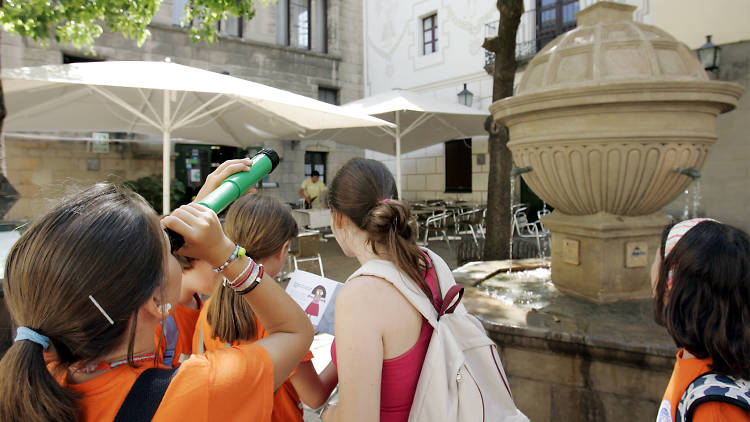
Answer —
(604, 257)
(604, 115)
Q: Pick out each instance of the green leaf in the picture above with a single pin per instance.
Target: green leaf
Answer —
(81, 22)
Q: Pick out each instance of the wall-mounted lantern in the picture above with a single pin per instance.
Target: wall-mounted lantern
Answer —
(709, 54)
(465, 97)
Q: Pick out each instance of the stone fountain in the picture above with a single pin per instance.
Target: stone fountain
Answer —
(604, 115)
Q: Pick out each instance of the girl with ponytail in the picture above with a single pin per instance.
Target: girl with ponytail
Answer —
(263, 224)
(88, 283)
(381, 339)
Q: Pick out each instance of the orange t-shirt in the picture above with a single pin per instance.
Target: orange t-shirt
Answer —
(235, 384)
(179, 329)
(685, 371)
(286, 402)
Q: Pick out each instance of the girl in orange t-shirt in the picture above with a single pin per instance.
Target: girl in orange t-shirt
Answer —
(174, 336)
(87, 284)
(266, 227)
(701, 282)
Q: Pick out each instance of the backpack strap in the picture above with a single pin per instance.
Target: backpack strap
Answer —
(450, 302)
(145, 395)
(712, 387)
(445, 282)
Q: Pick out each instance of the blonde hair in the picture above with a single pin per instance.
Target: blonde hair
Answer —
(262, 225)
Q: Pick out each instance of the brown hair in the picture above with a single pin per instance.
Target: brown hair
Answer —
(261, 224)
(105, 242)
(706, 311)
(186, 262)
(364, 191)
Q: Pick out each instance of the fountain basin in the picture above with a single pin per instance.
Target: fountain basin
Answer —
(568, 359)
(604, 115)
(614, 147)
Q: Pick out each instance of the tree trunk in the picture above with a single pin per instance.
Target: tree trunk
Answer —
(497, 242)
(3, 111)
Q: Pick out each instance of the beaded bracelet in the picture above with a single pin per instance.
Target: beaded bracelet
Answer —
(238, 252)
(254, 284)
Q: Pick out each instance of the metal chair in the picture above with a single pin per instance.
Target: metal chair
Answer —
(472, 220)
(526, 229)
(306, 247)
(438, 223)
(541, 213)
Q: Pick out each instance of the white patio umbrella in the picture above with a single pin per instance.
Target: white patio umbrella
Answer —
(420, 121)
(167, 99)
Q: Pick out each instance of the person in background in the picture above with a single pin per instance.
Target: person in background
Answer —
(701, 282)
(313, 191)
(267, 227)
(174, 336)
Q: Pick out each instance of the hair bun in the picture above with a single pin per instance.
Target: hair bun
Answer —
(389, 216)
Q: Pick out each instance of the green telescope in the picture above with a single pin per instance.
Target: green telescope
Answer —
(233, 187)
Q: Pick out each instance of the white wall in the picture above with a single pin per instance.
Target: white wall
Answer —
(394, 59)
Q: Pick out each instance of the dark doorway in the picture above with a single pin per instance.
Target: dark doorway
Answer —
(458, 166)
(195, 162)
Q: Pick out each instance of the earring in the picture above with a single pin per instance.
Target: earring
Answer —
(165, 308)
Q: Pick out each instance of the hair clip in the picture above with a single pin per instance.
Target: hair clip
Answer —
(99, 307)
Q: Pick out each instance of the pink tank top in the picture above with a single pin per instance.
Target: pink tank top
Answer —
(400, 375)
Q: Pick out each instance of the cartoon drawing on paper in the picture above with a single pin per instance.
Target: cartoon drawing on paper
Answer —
(318, 294)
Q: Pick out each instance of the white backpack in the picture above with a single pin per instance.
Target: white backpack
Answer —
(462, 378)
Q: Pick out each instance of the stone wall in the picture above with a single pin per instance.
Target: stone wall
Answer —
(557, 381)
(423, 172)
(585, 369)
(289, 172)
(43, 171)
(255, 57)
(726, 173)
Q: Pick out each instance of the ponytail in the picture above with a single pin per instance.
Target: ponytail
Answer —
(262, 225)
(362, 191)
(29, 391)
(230, 316)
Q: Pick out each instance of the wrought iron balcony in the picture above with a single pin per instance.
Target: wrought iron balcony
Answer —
(526, 43)
(537, 29)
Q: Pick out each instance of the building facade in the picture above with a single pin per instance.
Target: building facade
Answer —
(434, 47)
(311, 47)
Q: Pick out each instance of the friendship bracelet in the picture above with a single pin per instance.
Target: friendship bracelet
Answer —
(248, 268)
(247, 275)
(254, 284)
(250, 275)
(249, 281)
(228, 283)
(238, 252)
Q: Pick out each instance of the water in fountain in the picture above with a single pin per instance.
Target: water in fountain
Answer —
(523, 289)
(693, 201)
(697, 205)
(686, 208)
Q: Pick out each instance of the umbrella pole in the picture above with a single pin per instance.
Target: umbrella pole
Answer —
(398, 156)
(166, 154)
